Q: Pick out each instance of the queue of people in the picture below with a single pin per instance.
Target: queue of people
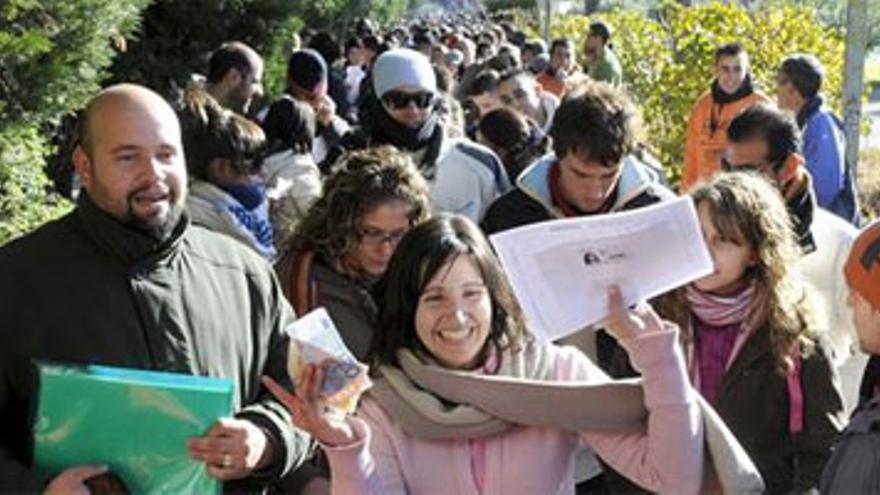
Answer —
(368, 188)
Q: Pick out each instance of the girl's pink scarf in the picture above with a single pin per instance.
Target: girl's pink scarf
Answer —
(716, 310)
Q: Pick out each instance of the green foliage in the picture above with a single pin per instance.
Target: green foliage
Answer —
(834, 12)
(176, 38)
(668, 62)
(869, 183)
(872, 69)
(385, 11)
(275, 70)
(53, 55)
(24, 202)
(493, 5)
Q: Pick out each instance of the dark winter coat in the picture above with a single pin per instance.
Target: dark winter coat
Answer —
(87, 289)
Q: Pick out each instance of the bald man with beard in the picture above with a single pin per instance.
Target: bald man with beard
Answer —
(125, 280)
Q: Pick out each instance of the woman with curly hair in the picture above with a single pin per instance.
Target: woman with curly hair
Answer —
(749, 331)
(343, 245)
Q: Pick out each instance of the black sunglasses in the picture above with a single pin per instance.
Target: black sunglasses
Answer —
(400, 99)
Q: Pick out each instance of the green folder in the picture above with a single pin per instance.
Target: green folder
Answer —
(136, 422)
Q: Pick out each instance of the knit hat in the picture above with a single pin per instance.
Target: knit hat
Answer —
(306, 69)
(403, 67)
(862, 269)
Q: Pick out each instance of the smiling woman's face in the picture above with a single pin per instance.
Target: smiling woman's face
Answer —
(454, 314)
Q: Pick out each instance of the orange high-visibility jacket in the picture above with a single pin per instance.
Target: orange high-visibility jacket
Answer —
(705, 141)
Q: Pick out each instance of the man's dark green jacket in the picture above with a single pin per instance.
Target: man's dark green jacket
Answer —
(87, 289)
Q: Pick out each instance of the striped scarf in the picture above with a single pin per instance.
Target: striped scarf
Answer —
(718, 310)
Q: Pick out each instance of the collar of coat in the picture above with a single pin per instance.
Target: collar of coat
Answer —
(121, 242)
(635, 179)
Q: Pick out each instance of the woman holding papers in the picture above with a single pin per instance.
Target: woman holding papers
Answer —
(466, 401)
(749, 335)
(346, 240)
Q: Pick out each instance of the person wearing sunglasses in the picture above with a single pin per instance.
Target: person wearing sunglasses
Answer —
(767, 140)
(518, 90)
(402, 110)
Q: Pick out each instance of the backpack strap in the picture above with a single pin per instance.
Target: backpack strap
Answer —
(302, 289)
(795, 397)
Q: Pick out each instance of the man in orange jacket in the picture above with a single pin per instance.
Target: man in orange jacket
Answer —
(731, 92)
(557, 78)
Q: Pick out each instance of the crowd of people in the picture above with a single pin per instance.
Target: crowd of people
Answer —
(206, 225)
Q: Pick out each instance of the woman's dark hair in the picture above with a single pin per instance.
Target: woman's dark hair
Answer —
(516, 140)
(290, 125)
(422, 253)
(211, 132)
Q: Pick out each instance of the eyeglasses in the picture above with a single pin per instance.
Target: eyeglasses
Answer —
(375, 237)
(401, 99)
(516, 95)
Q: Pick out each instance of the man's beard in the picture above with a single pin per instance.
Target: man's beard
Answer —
(159, 230)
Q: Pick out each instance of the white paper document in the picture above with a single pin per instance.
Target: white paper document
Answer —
(560, 269)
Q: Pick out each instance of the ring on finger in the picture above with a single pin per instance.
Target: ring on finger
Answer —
(227, 460)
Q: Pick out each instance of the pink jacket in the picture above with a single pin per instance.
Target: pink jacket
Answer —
(666, 458)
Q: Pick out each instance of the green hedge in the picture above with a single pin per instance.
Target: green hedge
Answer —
(177, 36)
(53, 56)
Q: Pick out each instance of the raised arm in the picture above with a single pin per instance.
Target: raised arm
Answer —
(667, 457)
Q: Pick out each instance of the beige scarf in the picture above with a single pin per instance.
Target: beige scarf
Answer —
(432, 402)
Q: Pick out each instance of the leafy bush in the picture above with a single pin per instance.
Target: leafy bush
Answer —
(869, 183)
(176, 38)
(667, 57)
(275, 70)
(53, 55)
